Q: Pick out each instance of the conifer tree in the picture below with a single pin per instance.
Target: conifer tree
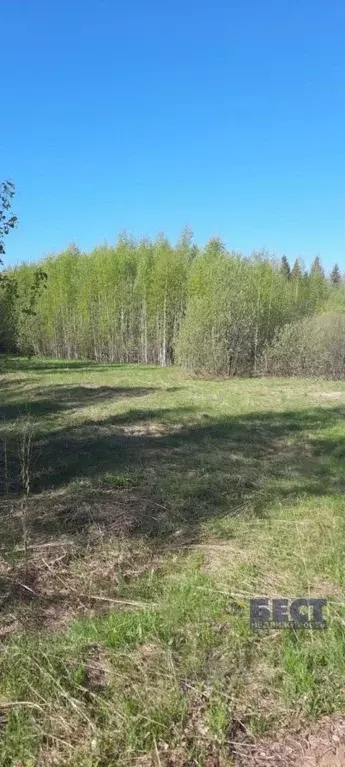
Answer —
(317, 268)
(335, 276)
(285, 267)
(296, 271)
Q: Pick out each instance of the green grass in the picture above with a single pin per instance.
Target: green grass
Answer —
(158, 506)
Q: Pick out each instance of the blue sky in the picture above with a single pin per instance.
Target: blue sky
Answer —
(228, 116)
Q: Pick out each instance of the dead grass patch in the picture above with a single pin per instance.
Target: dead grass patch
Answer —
(328, 395)
(62, 579)
(221, 558)
(97, 667)
(322, 745)
(152, 429)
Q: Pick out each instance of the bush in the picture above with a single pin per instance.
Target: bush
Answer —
(312, 347)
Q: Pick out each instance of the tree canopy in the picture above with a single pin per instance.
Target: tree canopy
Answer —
(149, 301)
(7, 219)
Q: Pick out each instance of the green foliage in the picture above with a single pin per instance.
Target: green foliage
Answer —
(317, 268)
(335, 275)
(234, 307)
(285, 267)
(311, 347)
(10, 307)
(7, 219)
(296, 271)
(146, 301)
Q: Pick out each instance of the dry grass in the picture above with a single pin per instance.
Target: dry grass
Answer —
(322, 745)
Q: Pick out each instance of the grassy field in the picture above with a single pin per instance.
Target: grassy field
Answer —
(140, 510)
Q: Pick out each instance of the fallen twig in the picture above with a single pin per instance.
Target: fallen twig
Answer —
(142, 605)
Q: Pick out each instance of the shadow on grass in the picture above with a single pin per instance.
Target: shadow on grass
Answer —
(63, 398)
(15, 383)
(145, 473)
(13, 364)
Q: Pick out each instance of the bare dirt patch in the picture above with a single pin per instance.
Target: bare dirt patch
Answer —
(322, 745)
(98, 670)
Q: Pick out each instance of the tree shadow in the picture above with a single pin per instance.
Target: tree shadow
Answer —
(145, 473)
(17, 383)
(63, 398)
(14, 364)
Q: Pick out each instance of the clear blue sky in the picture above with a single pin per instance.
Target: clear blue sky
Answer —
(227, 115)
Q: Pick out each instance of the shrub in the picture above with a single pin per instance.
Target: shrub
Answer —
(311, 347)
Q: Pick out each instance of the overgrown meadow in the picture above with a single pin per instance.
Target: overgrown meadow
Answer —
(141, 509)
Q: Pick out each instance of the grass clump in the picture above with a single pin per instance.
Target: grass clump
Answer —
(115, 684)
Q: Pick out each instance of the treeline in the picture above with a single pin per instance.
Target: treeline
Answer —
(213, 311)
